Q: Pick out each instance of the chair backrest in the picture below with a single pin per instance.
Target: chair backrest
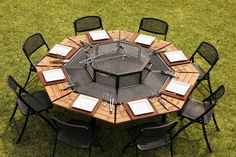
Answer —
(15, 87)
(207, 52)
(18, 90)
(33, 43)
(27, 99)
(216, 95)
(211, 102)
(71, 129)
(155, 132)
(87, 23)
(154, 25)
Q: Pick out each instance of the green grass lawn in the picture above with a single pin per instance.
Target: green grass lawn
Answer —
(191, 22)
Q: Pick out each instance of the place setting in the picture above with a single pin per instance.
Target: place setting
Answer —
(174, 58)
(53, 76)
(62, 52)
(99, 36)
(140, 108)
(176, 89)
(142, 39)
(86, 104)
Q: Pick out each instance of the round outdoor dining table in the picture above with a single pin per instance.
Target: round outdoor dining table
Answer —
(185, 72)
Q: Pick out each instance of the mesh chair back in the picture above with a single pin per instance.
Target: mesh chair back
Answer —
(33, 43)
(211, 102)
(15, 87)
(70, 129)
(155, 133)
(215, 96)
(87, 23)
(208, 52)
(154, 25)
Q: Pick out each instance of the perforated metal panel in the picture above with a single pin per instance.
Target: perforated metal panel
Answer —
(97, 90)
(118, 58)
(158, 63)
(155, 81)
(133, 92)
(119, 69)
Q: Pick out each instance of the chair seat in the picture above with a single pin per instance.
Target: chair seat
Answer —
(76, 139)
(94, 130)
(147, 143)
(73, 140)
(39, 101)
(201, 71)
(133, 131)
(193, 109)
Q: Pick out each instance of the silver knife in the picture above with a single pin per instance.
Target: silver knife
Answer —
(164, 104)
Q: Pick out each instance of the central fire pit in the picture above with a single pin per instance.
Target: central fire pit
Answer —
(113, 63)
(120, 69)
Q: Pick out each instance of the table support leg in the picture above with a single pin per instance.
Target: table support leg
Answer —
(163, 118)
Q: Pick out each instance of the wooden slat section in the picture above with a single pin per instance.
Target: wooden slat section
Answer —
(161, 109)
(158, 43)
(50, 92)
(46, 64)
(174, 102)
(69, 42)
(194, 78)
(171, 48)
(190, 78)
(77, 39)
(126, 35)
(55, 91)
(115, 34)
(185, 68)
(181, 76)
(104, 114)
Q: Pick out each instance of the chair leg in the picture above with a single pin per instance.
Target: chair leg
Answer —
(214, 119)
(195, 86)
(100, 145)
(93, 125)
(171, 148)
(27, 80)
(55, 145)
(209, 85)
(163, 118)
(136, 151)
(181, 125)
(13, 114)
(45, 119)
(125, 147)
(97, 143)
(209, 89)
(23, 129)
(205, 135)
(90, 150)
(184, 127)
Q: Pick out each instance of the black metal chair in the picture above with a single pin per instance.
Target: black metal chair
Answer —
(209, 54)
(29, 103)
(31, 45)
(75, 133)
(87, 23)
(154, 25)
(201, 112)
(150, 136)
